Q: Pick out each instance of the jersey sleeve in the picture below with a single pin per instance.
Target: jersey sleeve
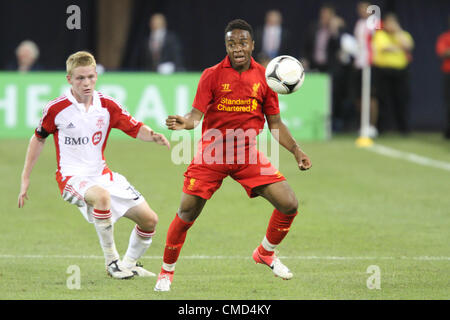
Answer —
(46, 123)
(121, 119)
(271, 105)
(204, 95)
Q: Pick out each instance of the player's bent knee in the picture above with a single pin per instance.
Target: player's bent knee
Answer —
(149, 222)
(188, 215)
(98, 197)
(190, 208)
(289, 207)
(103, 199)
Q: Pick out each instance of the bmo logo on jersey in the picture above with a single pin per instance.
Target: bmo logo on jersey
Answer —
(78, 141)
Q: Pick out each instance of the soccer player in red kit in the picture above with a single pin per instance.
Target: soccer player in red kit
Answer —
(234, 100)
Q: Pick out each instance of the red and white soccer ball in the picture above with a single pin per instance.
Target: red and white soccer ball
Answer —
(285, 74)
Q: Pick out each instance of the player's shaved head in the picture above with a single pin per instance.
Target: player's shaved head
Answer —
(79, 59)
(239, 24)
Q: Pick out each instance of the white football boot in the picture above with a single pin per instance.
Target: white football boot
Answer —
(139, 271)
(274, 263)
(164, 281)
(116, 270)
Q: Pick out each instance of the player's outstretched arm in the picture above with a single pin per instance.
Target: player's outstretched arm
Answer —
(33, 152)
(147, 134)
(188, 122)
(284, 137)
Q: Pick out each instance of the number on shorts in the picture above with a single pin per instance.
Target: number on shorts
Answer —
(134, 191)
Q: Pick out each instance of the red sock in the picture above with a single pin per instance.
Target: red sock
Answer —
(278, 228)
(175, 239)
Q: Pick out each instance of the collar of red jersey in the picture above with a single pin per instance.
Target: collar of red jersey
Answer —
(96, 103)
(227, 62)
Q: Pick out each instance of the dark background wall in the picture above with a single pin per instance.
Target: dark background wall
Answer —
(44, 22)
(200, 24)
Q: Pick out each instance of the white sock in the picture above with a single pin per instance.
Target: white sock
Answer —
(169, 267)
(267, 245)
(139, 242)
(105, 231)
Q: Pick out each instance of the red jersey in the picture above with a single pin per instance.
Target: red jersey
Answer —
(443, 44)
(234, 103)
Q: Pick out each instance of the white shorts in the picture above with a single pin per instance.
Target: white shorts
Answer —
(123, 195)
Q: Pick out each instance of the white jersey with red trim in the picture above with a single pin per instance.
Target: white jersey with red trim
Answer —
(80, 135)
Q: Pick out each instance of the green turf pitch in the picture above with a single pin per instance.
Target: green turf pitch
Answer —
(357, 209)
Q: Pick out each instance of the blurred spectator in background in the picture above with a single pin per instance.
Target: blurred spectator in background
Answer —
(272, 39)
(322, 42)
(363, 35)
(27, 55)
(161, 50)
(443, 51)
(262, 58)
(392, 48)
(323, 53)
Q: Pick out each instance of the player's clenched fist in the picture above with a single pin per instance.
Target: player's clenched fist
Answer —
(176, 122)
(304, 163)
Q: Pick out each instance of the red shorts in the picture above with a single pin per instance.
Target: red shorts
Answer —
(204, 179)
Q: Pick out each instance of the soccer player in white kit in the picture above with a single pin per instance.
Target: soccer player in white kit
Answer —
(80, 121)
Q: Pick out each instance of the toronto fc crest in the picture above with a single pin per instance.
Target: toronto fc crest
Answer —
(100, 122)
